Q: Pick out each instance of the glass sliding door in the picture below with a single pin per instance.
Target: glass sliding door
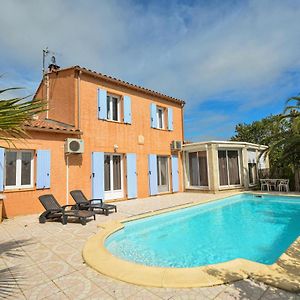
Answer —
(252, 166)
(203, 172)
(198, 171)
(107, 173)
(252, 169)
(223, 170)
(233, 167)
(113, 179)
(229, 168)
(162, 174)
(117, 172)
(193, 166)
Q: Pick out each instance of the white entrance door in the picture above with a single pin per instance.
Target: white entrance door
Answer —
(162, 174)
(113, 176)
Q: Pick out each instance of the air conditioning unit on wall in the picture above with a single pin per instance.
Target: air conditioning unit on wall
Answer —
(74, 146)
(176, 146)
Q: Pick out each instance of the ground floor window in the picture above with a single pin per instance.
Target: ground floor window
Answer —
(252, 169)
(113, 178)
(198, 171)
(18, 169)
(229, 170)
(162, 174)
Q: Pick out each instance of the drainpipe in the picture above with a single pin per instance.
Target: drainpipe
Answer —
(78, 98)
(183, 155)
(67, 179)
(183, 161)
(47, 95)
(182, 120)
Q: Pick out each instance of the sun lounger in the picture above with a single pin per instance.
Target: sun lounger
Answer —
(55, 211)
(93, 204)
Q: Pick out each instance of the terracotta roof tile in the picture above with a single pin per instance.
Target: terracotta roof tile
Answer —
(131, 85)
(51, 125)
(124, 83)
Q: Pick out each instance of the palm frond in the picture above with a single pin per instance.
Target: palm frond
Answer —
(15, 113)
(294, 98)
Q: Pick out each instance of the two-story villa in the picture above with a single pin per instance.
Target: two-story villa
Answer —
(126, 131)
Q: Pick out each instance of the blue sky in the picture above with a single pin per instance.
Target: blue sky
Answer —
(231, 61)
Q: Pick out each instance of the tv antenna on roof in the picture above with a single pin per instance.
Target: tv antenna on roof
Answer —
(46, 52)
(53, 60)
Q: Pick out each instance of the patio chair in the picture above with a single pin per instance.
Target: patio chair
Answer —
(55, 211)
(93, 204)
(272, 184)
(264, 184)
(283, 185)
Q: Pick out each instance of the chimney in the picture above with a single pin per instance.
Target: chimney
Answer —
(53, 66)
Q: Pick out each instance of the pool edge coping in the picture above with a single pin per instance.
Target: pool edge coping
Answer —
(99, 258)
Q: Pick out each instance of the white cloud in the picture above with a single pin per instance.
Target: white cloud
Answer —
(240, 49)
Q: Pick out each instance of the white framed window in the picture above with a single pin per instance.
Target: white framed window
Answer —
(252, 172)
(113, 176)
(113, 108)
(160, 116)
(229, 168)
(252, 167)
(18, 169)
(198, 169)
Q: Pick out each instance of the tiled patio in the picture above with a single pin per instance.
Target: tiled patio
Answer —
(43, 261)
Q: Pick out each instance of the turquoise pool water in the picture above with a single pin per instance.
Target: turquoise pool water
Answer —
(242, 226)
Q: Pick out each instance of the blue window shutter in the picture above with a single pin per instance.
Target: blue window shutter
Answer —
(153, 115)
(127, 109)
(153, 174)
(102, 104)
(170, 118)
(43, 158)
(131, 175)
(2, 167)
(98, 175)
(175, 173)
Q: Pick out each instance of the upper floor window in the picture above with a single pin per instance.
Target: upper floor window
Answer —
(113, 108)
(18, 169)
(160, 115)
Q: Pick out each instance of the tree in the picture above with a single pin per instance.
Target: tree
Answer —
(265, 132)
(281, 133)
(14, 113)
(260, 132)
(289, 142)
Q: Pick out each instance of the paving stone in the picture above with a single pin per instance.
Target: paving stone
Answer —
(144, 295)
(83, 290)
(277, 294)
(55, 269)
(41, 291)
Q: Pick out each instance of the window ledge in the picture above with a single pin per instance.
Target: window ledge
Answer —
(162, 129)
(113, 121)
(162, 193)
(193, 187)
(13, 190)
(230, 187)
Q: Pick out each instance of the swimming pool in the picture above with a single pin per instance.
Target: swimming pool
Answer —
(243, 226)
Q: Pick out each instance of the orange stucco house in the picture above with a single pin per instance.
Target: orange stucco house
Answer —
(102, 135)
